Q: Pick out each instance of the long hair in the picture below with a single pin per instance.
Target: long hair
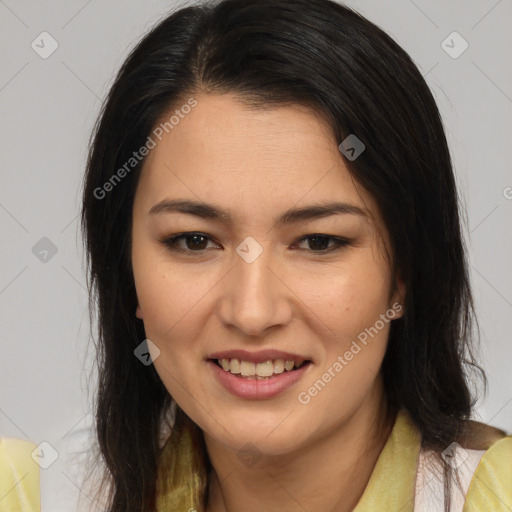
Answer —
(277, 52)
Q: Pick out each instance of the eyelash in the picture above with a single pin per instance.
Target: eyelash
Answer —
(171, 242)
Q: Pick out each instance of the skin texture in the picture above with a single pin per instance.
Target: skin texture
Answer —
(256, 164)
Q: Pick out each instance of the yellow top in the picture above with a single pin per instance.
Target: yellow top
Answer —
(19, 476)
(390, 488)
(391, 484)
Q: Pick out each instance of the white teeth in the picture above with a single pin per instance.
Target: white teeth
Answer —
(247, 369)
(278, 366)
(234, 366)
(289, 365)
(258, 370)
(265, 369)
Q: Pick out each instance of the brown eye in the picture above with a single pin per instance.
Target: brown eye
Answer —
(194, 242)
(198, 242)
(320, 243)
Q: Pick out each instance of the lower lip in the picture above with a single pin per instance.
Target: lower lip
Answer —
(254, 389)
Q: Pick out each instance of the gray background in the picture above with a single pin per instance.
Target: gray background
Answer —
(48, 107)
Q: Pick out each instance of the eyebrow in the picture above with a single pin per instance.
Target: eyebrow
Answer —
(291, 216)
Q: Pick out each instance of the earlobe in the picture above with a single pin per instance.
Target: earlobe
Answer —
(138, 312)
(399, 298)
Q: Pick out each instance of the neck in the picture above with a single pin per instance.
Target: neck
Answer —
(330, 473)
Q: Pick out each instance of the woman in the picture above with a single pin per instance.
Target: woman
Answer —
(275, 250)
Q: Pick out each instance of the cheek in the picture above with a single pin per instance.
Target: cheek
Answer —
(349, 297)
(355, 346)
(167, 294)
(171, 305)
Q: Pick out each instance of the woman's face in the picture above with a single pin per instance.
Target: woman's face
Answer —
(250, 288)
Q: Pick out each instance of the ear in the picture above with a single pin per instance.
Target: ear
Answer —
(138, 311)
(399, 297)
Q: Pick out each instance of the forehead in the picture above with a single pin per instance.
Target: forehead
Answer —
(251, 161)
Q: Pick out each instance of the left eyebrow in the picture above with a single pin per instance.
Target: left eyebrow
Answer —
(291, 216)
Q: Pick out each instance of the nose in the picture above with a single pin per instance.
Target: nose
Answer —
(255, 296)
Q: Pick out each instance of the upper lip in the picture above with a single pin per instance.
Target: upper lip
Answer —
(260, 356)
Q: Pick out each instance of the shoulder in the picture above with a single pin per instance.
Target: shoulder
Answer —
(491, 485)
(480, 436)
(19, 476)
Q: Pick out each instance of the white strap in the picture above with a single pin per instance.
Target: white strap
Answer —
(429, 489)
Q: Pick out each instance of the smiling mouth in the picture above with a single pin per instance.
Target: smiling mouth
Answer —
(259, 371)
